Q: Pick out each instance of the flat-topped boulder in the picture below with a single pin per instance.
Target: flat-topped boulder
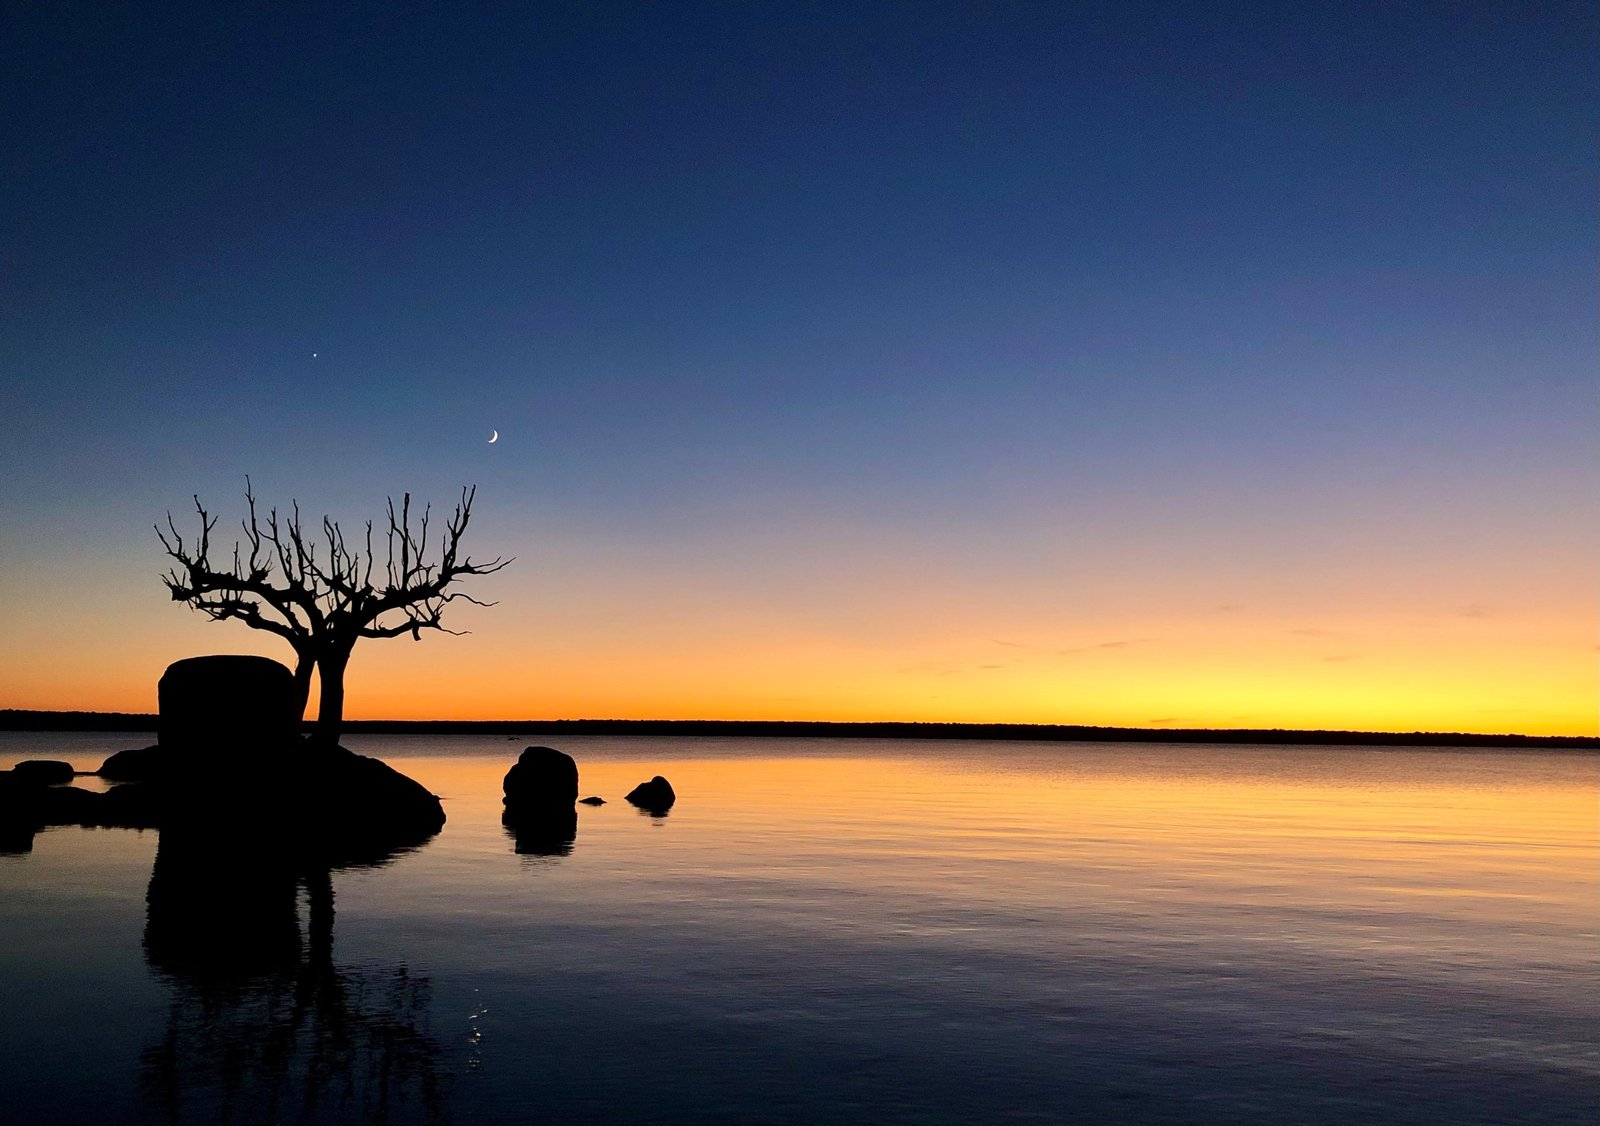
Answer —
(225, 704)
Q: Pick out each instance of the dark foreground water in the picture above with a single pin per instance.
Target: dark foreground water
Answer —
(859, 932)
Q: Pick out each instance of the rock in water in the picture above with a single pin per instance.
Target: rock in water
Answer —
(656, 795)
(591, 801)
(136, 764)
(231, 770)
(541, 778)
(43, 771)
(216, 705)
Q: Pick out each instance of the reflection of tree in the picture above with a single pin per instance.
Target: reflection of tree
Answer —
(263, 1026)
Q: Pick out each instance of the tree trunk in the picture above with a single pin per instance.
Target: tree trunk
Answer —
(330, 709)
(303, 665)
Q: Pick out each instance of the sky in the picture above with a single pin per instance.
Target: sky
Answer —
(1153, 365)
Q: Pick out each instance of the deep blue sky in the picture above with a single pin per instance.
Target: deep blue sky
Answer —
(1165, 278)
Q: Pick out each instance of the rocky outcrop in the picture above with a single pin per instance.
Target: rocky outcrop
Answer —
(655, 796)
(542, 778)
(326, 804)
(229, 767)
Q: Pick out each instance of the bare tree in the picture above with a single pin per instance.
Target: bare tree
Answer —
(323, 605)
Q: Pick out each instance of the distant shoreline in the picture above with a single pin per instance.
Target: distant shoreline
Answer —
(13, 719)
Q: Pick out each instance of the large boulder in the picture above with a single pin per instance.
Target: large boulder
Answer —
(655, 796)
(542, 778)
(211, 705)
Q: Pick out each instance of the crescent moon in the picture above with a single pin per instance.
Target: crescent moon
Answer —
(494, 437)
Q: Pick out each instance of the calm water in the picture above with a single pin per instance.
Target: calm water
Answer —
(840, 931)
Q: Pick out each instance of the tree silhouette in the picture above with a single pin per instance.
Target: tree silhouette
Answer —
(323, 606)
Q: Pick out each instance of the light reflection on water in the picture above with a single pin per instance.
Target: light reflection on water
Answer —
(839, 931)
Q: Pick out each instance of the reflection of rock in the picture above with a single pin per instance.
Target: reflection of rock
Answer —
(44, 771)
(19, 813)
(550, 831)
(541, 778)
(221, 907)
(655, 796)
(262, 1023)
(216, 706)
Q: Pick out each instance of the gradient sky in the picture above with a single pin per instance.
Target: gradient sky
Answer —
(1206, 365)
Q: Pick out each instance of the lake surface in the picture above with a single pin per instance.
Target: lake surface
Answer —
(842, 931)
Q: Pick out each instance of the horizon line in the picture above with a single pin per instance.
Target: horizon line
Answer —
(25, 719)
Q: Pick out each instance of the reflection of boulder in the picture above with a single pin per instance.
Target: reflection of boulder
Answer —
(216, 706)
(43, 771)
(541, 778)
(550, 831)
(20, 816)
(221, 907)
(262, 1023)
(655, 796)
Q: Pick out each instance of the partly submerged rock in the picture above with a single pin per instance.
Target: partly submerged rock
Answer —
(655, 796)
(591, 801)
(43, 771)
(26, 806)
(137, 764)
(541, 778)
(318, 803)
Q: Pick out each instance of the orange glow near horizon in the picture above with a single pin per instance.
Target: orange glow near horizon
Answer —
(1532, 676)
(869, 639)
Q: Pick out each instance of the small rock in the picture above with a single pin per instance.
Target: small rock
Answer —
(43, 771)
(591, 801)
(655, 795)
